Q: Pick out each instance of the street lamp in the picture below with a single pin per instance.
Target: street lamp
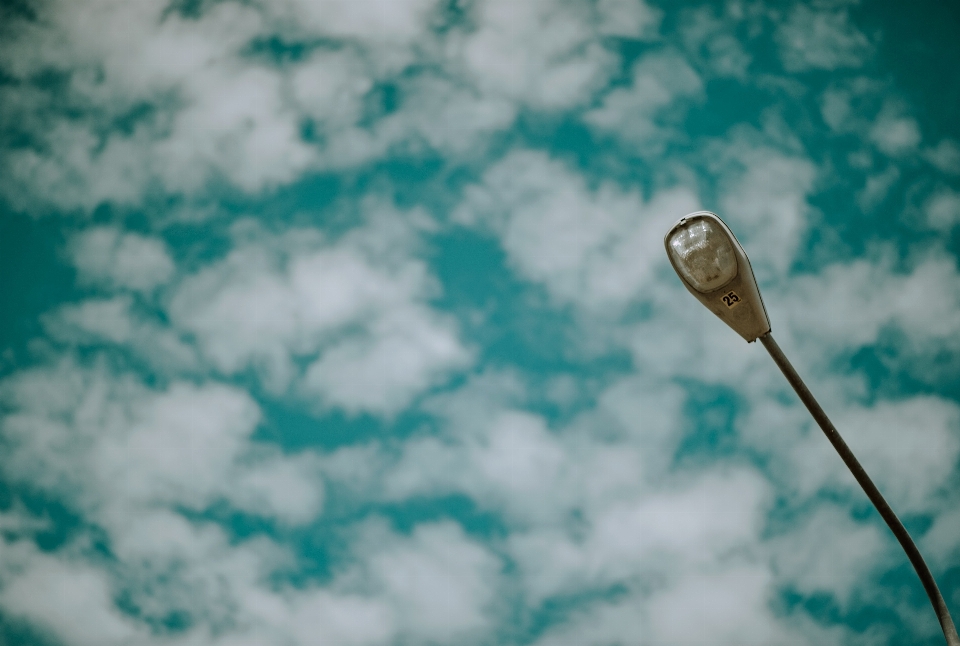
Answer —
(715, 269)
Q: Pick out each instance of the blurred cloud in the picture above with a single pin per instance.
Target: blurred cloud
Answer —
(813, 38)
(107, 257)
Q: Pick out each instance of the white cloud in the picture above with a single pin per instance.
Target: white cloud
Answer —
(355, 310)
(323, 617)
(116, 321)
(594, 248)
(875, 112)
(216, 111)
(764, 200)
(829, 552)
(895, 134)
(582, 519)
(730, 606)
(835, 107)
(101, 319)
(330, 86)
(942, 210)
(478, 78)
(591, 504)
(939, 544)
(130, 459)
(616, 622)
(542, 53)
(647, 407)
(877, 188)
(402, 354)
(441, 584)
(660, 83)
(72, 601)
(111, 258)
(401, 22)
(286, 488)
(629, 18)
(851, 106)
(847, 305)
(510, 464)
(508, 461)
(713, 42)
(834, 314)
(238, 127)
(812, 39)
(109, 446)
(945, 157)
(448, 116)
(659, 535)
(17, 520)
(434, 585)
(210, 115)
(167, 565)
(910, 447)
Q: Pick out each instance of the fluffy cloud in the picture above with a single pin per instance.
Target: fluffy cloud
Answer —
(118, 321)
(440, 584)
(877, 188)
(629, 18)
(652, 480)
(942, 210)
(764, 198)
(850, 304)
(869, 109)
(198, 115)
(542, 53)
(594, 248)
(433, 585)
(658, 535)
(812, 39)
(110, 445)
(137, 463)
(829, 553)
(80, 594)
(945, 156)
(895, 134)
(390, 23)
(355, 311)
(133, 461)
(660, 82)
(221, 110)
(712, 40)
(911, 447)
(729, 607)
(107, 257)
(512, 464)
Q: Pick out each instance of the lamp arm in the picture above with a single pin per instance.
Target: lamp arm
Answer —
(929, 584)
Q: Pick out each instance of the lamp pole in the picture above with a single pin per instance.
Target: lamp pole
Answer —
(926, 578)
(715, 269)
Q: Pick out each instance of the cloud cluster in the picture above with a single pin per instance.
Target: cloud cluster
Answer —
(595, 248)
(651, 481)
(167, 101)
(354, 311)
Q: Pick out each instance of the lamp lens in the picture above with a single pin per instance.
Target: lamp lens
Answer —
(703, 255)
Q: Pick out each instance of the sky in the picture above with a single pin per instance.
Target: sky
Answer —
(349, 322)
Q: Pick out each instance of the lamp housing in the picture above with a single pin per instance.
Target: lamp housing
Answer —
(714, 267)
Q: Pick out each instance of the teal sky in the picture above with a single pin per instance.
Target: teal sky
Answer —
(348, 322)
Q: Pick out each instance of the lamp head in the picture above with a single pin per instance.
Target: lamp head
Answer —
(715, 269)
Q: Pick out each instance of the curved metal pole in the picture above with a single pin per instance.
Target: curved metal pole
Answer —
(939, 606)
